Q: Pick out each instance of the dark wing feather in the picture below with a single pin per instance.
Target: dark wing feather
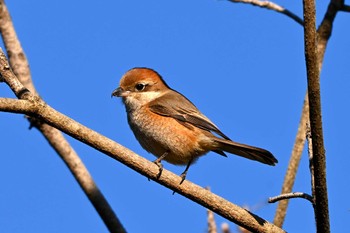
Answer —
(180, 108)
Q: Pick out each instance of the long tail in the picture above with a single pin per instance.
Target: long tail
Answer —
(246, 151)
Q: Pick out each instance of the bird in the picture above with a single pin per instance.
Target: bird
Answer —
(170, 126)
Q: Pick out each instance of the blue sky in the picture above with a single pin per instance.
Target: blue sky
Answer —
(241, 65)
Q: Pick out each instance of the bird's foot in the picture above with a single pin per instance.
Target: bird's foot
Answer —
(160, 166)
(183, 177)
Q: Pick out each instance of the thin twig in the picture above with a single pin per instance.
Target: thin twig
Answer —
(291, 195)
(20, 67)
(271, 6)
(37, 108)
(313, 81)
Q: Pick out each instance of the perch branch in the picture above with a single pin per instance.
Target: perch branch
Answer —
(34, 106)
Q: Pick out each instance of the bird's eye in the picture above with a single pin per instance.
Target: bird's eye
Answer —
(140, 86)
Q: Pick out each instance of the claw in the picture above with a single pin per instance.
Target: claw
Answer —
(183, 177)
(158, 162)
(160, 166)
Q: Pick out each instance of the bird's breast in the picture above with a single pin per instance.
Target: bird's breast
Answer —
(159, 134)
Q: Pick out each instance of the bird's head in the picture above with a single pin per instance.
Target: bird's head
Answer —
(140, 86)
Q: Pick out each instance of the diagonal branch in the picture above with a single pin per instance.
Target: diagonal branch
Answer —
(17, 58)
(293, 165)
(271, 6)
(20, 67)
(34, 106)
(324, 31)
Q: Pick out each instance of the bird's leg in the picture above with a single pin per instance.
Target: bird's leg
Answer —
(183, 175)
(158, 162)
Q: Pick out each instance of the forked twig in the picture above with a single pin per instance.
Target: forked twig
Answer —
(271, 6)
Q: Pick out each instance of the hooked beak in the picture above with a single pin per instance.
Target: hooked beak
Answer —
(119, 92)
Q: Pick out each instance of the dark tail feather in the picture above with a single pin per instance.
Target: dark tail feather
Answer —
(249, 152)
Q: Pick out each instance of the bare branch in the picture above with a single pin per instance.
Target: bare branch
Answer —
(293, 165)
(345, 8)
(313, 80)
(82, 175)
(211, 222)
(20, 66)
(34, 106)
(291, 195)
(17, 58)
(271, 6)
(324, 31)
